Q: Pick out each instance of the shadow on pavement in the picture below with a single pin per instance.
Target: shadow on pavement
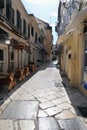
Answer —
(78, 100)
(4, 93)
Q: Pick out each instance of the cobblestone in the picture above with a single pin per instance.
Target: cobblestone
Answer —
(6, 125)
(5, 104)
(21, 110)
(53, 111)
(42, 114)
(26, 125)
(72, 124)
(43, 103)
(48, 123)
(66, 114)
(46, 105)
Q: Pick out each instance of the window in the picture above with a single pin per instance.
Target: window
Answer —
(86, 42)
(39, 39)
(12, 55)
(12, 16)
(69, 56)
(42, 31)
(35, 37)
(1, 11)
(32, 31)
(8, 9)
(12, 58)
(24, 27)
(18, 21)
(1, 4)
(1, 60)
(28, 31)
(1, 55)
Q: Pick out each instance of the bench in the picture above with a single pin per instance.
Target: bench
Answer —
(26, 71)
(32, 67)
(19, 74)
(8, 79)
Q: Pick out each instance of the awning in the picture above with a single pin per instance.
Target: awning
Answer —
(19, 47)
(64, 37)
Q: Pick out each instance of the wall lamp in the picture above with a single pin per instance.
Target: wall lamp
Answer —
(7, 41)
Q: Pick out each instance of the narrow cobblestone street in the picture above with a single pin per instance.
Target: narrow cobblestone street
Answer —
(43, 103)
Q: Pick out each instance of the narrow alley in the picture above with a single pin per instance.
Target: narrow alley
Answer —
(43, 103)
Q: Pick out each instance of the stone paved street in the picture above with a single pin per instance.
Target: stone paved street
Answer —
(43, 103)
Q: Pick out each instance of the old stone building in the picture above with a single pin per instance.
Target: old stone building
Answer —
(21, 40)
(72, 41)
(46, 30)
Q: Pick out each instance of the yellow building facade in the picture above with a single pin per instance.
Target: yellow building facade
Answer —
(73, 50)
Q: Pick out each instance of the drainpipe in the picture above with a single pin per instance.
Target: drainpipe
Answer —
(21, 58)
(33, 55)
(7, 42)
(8, 57)
(29, 57)
(18, 58)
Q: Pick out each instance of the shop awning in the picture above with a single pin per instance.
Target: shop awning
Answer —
(19, 47)
(64, 37)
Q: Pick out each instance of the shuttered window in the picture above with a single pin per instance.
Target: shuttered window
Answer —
(18, 21)
(8, 9)
(1, 4)
(32, 31)
(12, 16)
(24, 27)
